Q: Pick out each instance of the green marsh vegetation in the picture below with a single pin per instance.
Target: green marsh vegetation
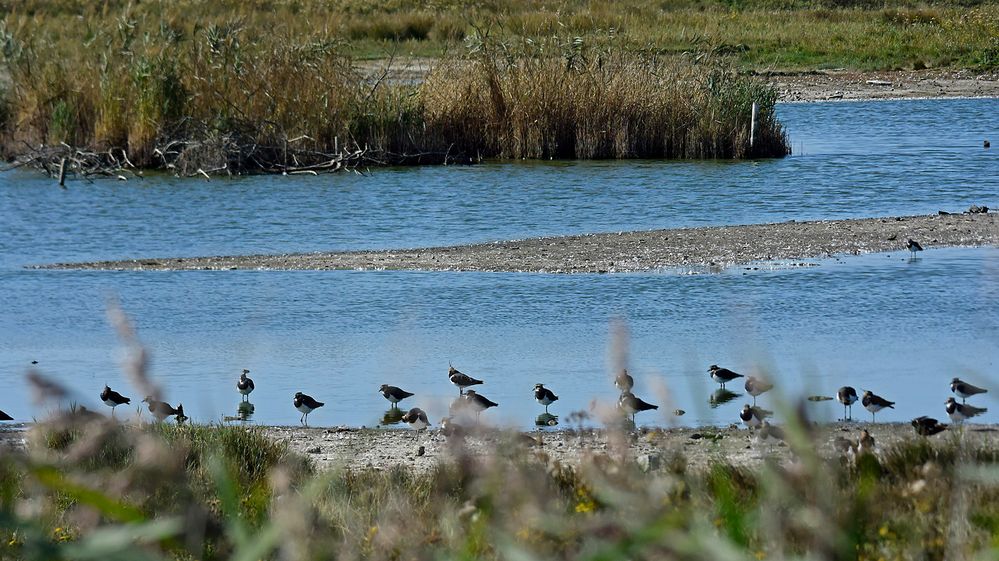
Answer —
(94, 489)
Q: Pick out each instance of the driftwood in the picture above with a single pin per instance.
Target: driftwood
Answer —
(213, 155)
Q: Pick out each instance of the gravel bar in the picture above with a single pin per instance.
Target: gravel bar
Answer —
(707, 247)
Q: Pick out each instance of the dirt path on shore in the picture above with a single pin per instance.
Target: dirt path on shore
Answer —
(709, 247)
(815, 85)
(828, 85)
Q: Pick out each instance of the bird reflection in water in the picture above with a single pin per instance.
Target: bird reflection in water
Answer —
(721, 397)
(244, 412)
(546, 420)
(393, 416)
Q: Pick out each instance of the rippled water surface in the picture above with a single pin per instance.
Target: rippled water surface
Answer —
(901, 328)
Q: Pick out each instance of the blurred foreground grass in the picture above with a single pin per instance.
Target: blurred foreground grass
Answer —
(89, 488)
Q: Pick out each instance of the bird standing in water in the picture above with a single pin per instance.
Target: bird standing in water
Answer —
(544, 396)
(244, 385)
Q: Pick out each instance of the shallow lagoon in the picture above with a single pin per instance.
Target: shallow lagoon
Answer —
(901, 328)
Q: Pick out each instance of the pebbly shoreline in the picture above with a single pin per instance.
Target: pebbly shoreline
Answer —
(713, 248)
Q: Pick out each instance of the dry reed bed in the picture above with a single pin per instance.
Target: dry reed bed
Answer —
(228, 97)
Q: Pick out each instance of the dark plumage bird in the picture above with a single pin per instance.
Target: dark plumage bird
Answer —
(113, 399)
(5, 417)
(623, 381)
(416, 418)
(958, 412)
(245, 384)
(461, 379)
(913, 246)
(161, 409)
(927, 426)
(847, 396)
(757, 386)
(306, 404)
(751, 417)
(722, 375)
(544, 396)
(875, 403)
(394, 394)
(477, 402)
(964, 390)
(631, 404)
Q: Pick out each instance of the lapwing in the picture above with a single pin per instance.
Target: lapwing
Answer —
(847, 396)
(750, 417)
(964, 390)
(623, 381)
(631, 405)
(305, 404)
(875, 403)
(544, 396)
(722, 375)
(416, 418)
(478, 403)
(927, 426)
(461, 379)
(161, 409)
(394, 394)
(245, 384)
(958, 412)
(757, 386)
(113, 399)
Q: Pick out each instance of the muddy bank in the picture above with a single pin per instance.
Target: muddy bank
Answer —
(698, 447)
(828, 85)
(709, 247)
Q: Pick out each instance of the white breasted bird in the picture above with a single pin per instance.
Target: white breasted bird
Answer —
(244, 384)
(958, 412)
(875, 403)
(722, 375)
(305, 404)
(964, 390)
(544, 396)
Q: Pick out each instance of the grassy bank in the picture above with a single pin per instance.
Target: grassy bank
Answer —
(94, 489)
(786, 34)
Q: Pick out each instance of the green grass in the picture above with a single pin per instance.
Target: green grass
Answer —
(217, 492)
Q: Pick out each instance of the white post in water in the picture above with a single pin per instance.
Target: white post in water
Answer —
(752, 126)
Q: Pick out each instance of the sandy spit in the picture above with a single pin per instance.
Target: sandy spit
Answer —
(709, 247)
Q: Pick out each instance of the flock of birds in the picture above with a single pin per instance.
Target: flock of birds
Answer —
(628, 403)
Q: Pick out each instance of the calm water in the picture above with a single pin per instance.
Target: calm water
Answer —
(901, 328)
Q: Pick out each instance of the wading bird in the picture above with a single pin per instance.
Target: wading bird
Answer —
(964, 390)
(244, 384)
(113, 399)
(875, 403)
(394, 394)
(544, 396)
(461, 379)
(847, 396)
(305, 404)
(722, 375)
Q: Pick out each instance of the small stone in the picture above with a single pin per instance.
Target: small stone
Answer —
(696, 436)
(313, 450)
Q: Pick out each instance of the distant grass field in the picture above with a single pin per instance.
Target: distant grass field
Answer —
(781, 34)
(230, 86)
